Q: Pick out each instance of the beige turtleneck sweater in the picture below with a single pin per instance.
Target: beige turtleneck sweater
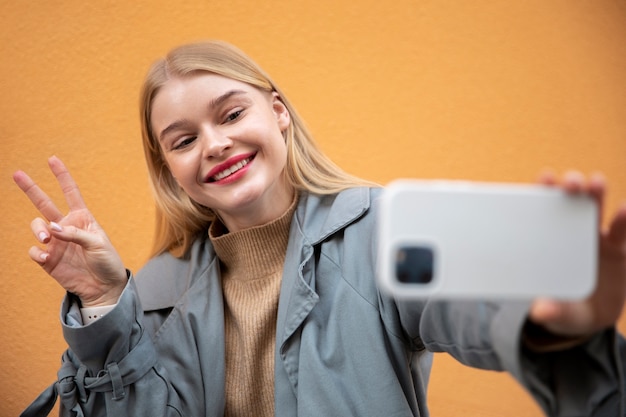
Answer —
(251, 268)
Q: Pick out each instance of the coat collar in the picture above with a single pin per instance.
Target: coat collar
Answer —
(320, 216)
(165, 278)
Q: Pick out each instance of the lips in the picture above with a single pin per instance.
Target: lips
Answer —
(229, 167)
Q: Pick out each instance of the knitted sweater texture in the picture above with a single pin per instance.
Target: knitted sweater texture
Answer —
(251, 263)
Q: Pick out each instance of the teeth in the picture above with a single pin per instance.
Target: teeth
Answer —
(231, 170)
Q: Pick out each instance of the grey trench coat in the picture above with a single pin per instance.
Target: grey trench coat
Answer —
(342, 347)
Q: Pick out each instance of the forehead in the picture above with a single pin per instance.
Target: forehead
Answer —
(181, 96)
(195, 85)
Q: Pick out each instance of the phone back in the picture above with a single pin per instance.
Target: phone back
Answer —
(453, 239)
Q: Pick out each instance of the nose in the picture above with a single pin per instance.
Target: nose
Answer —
(214, 143)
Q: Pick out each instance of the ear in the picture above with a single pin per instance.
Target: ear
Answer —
(280, 110)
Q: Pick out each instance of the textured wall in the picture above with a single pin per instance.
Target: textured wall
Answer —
(487, 90)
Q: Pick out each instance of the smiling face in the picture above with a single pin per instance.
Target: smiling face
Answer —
(222, 141)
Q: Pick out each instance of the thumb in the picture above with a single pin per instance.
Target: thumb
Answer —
(76, 235)
(544, 310)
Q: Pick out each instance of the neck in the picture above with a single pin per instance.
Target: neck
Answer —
(262, 213)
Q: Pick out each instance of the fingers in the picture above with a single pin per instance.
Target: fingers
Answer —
(617, 229)
(568, 319)
(550, 314)
(542, 310)
(40, 230)
(76, 235)
(547, 177)
(68, 185)
(595, 186)
(575, 182)
(45, 232)
(38, 255)
(40, 199)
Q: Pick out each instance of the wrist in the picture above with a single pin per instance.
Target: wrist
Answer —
(108, 298)
(539, 339)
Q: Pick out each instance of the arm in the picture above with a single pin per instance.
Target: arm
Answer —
(111, 367)
(581, 380)
(567, 354)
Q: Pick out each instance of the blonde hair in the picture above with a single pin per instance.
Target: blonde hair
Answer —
(179, 219)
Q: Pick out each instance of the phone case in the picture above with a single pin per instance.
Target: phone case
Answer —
(458, 239)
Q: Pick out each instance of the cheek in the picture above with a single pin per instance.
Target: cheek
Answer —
(282, 151)
(182, 169)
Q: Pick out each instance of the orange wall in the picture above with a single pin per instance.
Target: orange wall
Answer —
(486, 90)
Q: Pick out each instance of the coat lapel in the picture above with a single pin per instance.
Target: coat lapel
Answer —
(316, 218)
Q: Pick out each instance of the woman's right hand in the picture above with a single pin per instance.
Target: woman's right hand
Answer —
(77, 253)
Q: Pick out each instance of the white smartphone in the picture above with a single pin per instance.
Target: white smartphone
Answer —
(458, 239)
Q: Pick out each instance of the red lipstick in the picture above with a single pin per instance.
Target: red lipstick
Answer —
(229, 170)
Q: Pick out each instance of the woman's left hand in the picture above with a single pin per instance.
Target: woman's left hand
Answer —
(604, 307)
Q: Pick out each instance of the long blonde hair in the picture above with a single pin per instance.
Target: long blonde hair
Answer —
(179, 219)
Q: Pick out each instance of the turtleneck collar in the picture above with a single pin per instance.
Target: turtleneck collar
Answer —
(253, 253)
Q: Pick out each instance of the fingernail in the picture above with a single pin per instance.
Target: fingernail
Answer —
(44, 256)
(56, 227)
(43, 236)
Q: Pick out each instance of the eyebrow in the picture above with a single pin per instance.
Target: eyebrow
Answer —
(218, 101)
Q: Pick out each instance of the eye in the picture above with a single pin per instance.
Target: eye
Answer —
(233, 115)
(183, 143)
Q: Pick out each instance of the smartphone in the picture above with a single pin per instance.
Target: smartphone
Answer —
(459, 239)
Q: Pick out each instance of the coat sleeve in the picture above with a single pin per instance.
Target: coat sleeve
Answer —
(110, 368)
(586, 380)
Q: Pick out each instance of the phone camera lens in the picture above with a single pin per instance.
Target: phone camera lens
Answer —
(414, 265)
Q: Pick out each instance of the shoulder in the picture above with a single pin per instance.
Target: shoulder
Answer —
(164, 278)
(320, 216)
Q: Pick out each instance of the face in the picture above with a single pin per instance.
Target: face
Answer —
(222, 141)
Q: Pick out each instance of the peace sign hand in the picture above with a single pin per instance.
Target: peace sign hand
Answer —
(78, 253)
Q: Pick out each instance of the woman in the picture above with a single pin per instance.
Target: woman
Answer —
(261, 297)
